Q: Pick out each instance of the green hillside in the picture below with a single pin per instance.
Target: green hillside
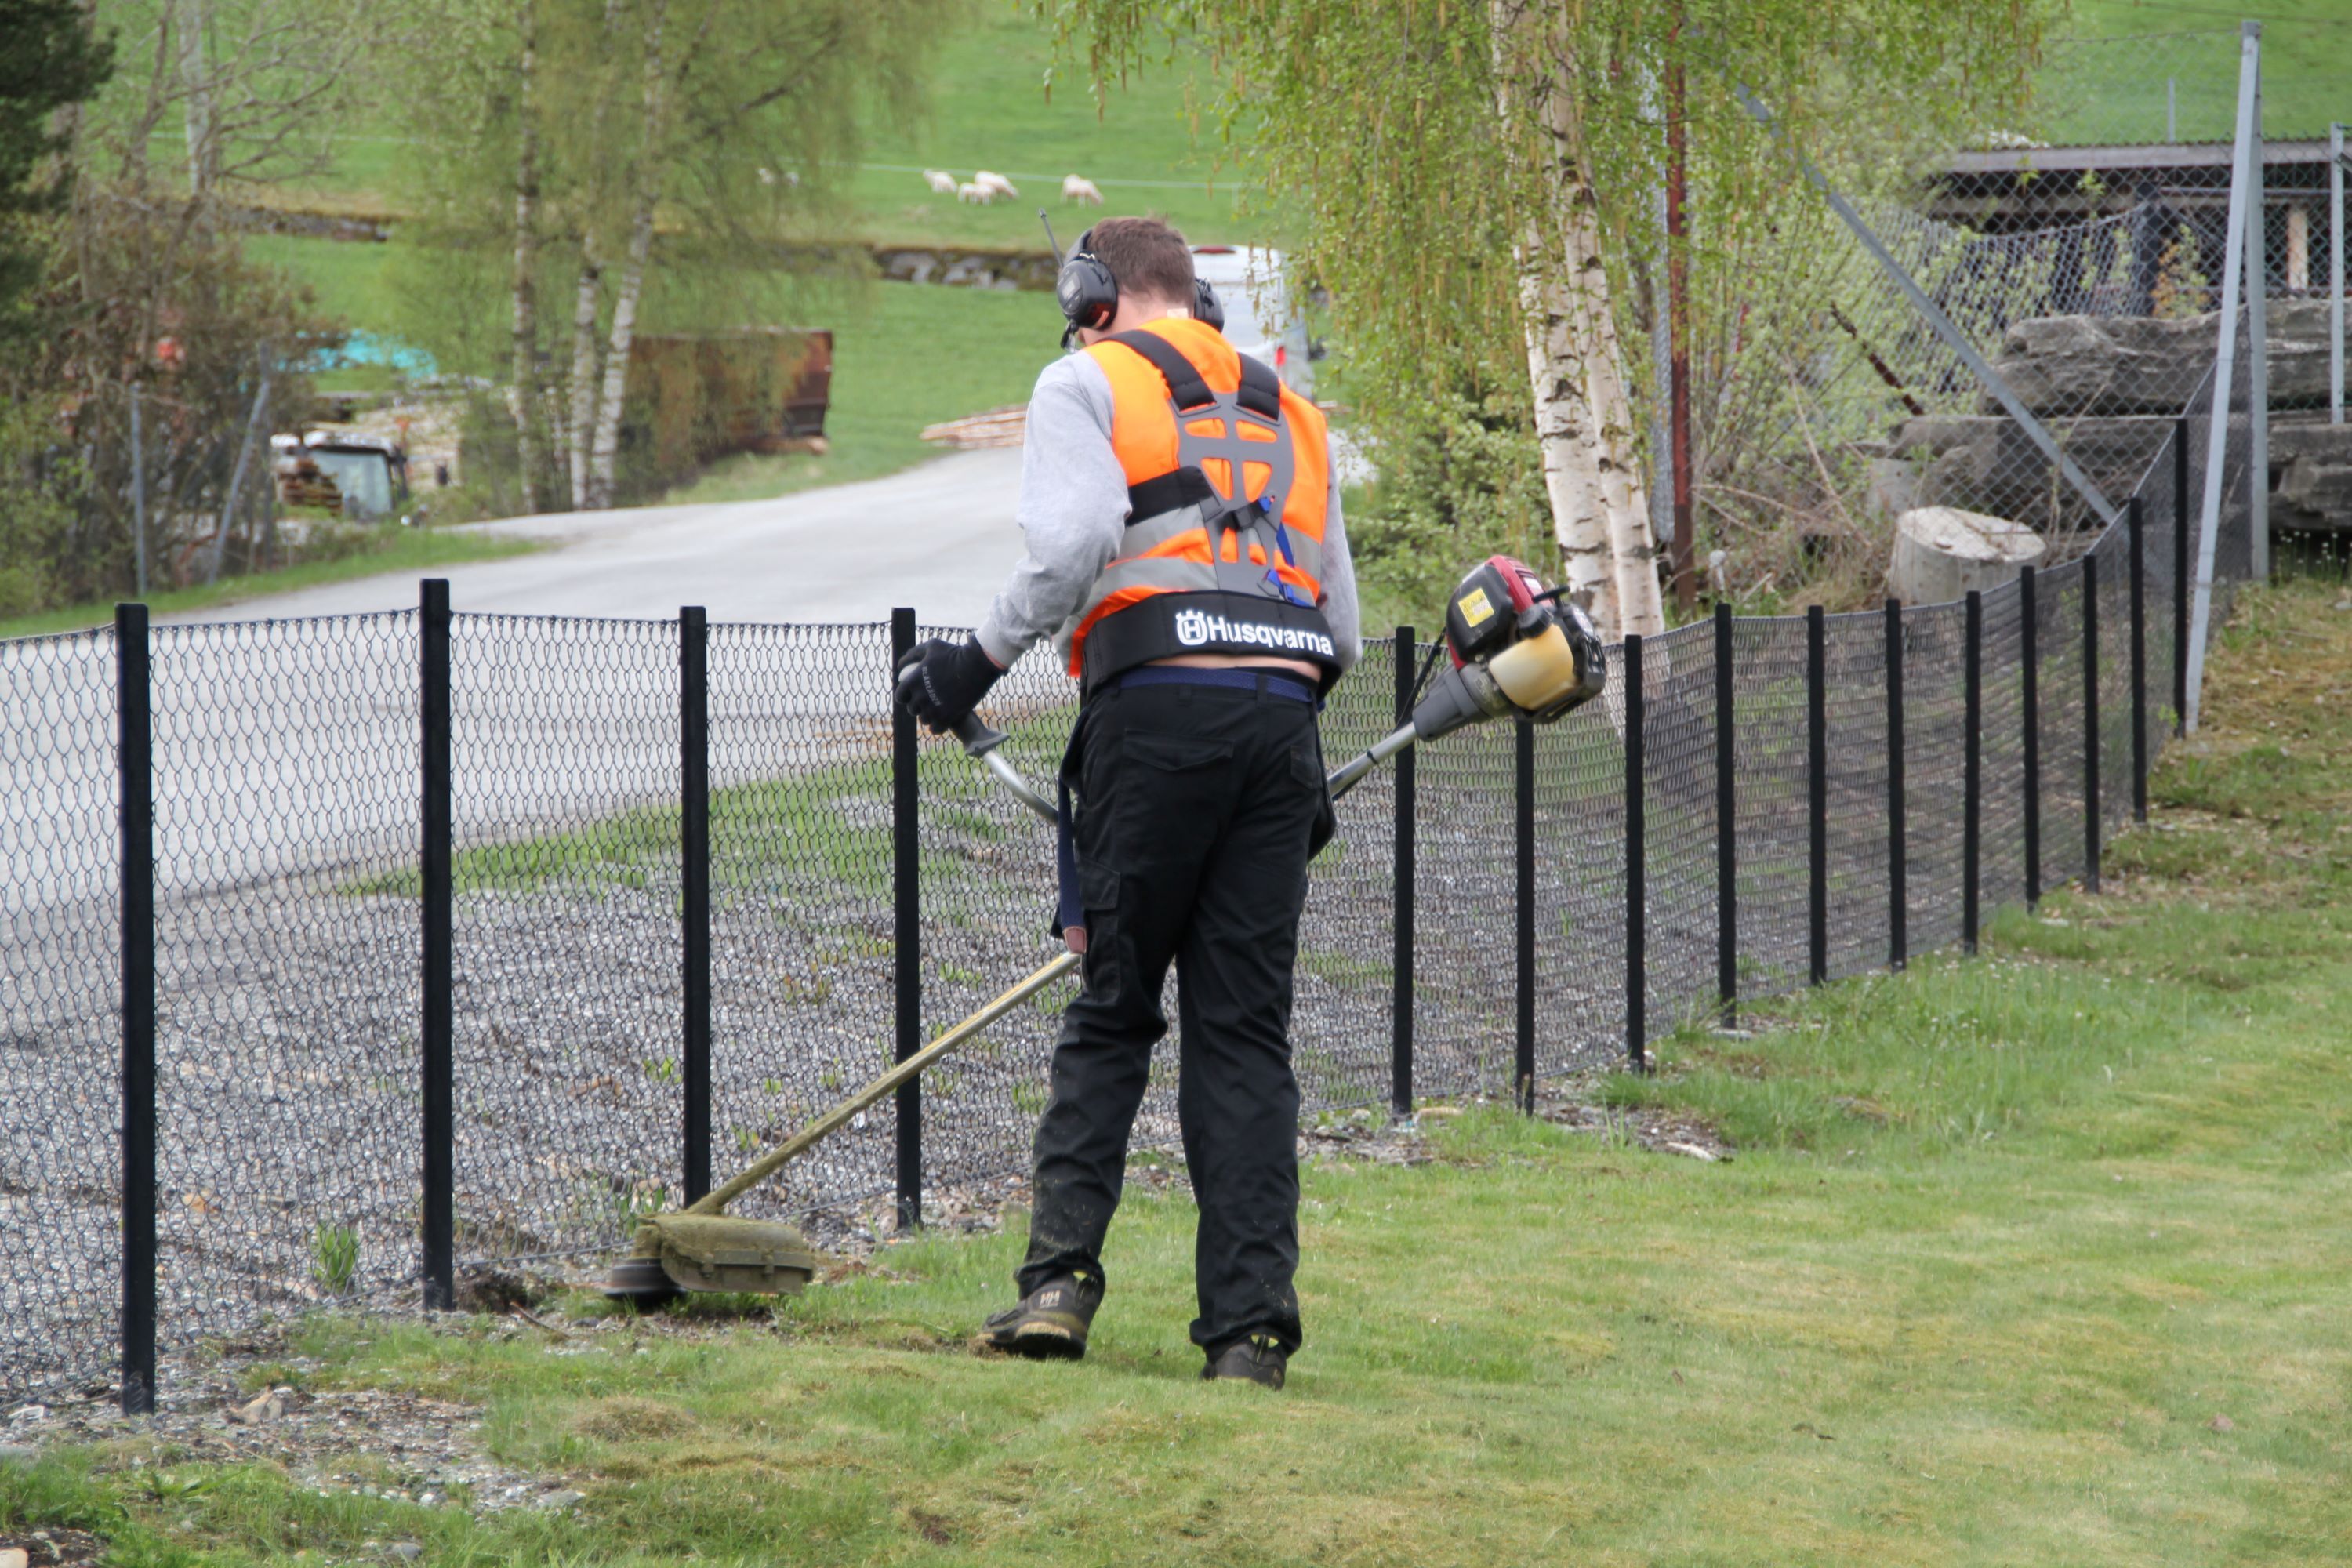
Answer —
(2114, 88)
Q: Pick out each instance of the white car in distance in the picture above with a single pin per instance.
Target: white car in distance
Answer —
(1261, 318)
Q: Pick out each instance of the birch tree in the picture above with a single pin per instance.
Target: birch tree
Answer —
(523, 352)
(611, 155)
(1471, 182)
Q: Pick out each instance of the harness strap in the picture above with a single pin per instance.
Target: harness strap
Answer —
(1186, 386)
(1171, 491)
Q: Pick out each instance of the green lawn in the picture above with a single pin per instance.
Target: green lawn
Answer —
(396, 548)
(2118, 93)
(2042, 1257)
(903, 357)
(989, 109)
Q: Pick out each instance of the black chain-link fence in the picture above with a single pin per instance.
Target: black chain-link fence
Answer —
(291, 1046)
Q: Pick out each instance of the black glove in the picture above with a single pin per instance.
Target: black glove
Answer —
(948, 682)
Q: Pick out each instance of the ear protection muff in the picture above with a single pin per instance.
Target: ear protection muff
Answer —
(1205, 307)
(1087, 292)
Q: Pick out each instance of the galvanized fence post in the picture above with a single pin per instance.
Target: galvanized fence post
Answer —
(1401, 962)
(134, 761)
(2091, 723)
(907, 904)
(2138, 659)
(1899, 869)
(1817, 777)
(1524, 1057)
(1637, 964)
(1726, 825)
(439, 1185)
(1972, 775)
(694, 877)
(2029, 698)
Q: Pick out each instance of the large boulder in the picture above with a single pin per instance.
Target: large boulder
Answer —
(1941, 553)
(2314, 462)
(1987, 463)
(2065, 365)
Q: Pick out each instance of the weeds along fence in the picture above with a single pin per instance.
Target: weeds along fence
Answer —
(451, 937)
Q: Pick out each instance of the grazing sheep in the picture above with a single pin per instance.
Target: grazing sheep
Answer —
(943, 184)
(997, 183)
(1076, 188)
(974, 192)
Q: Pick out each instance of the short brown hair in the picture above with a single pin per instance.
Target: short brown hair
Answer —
(1149, 259)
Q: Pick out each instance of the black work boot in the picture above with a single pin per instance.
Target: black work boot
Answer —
(1258, 1358)
(1049, 1324)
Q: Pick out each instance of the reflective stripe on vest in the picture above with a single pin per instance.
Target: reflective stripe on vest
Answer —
(1172, 551)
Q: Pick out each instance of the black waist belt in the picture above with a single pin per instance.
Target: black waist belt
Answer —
(1069, 903)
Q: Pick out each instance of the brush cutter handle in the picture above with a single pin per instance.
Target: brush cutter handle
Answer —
(832, 1122)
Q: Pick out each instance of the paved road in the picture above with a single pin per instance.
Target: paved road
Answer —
(286, 743)
(939, 537)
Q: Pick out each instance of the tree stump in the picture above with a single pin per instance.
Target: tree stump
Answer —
(1941, 553)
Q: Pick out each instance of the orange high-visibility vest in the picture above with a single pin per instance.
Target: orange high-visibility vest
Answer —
(1211, 562)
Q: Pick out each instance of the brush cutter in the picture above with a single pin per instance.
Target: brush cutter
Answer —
(1518, 648)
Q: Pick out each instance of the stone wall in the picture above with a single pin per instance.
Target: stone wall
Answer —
(2137, 371)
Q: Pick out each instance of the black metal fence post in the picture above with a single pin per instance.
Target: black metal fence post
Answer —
(1400, 964)
(1972, 776)
(1524, 1061)
(1726, 825)
(2179, 576)
(439, 1187)
(1637, 964)
(907, 901)
(2028, 696)
(1817, 779)
(1898, 866)
(2091, 723)
(694, 878)
(2138, 661)
(134, 761)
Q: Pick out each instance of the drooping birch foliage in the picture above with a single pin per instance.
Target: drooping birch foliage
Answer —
(1474, 183)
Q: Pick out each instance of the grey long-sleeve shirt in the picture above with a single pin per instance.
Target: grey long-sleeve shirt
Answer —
(1073, 514)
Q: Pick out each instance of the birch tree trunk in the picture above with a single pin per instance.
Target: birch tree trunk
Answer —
(1625, 508)
(1584, 425)
(526, 292)
(195, 96)
(582, 425)
(605, 452)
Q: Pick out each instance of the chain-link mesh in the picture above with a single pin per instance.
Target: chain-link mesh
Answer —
(61, 1089)
(285, 976)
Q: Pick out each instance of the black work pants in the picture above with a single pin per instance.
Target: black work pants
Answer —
(1197, 807)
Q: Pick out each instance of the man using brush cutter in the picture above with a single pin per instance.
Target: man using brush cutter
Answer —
(1186, 553)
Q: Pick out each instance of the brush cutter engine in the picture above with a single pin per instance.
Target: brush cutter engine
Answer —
(1520, 649)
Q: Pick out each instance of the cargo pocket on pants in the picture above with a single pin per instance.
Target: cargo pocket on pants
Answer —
(1098, 888)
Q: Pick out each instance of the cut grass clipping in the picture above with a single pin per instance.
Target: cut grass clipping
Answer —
(2041, 1257)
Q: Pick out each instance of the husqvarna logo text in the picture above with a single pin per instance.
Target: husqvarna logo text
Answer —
(1197, 628)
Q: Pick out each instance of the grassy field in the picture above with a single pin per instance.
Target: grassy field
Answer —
(2042, 1258)
(989, 109)
(2305, 84)
(396, 548)
(904, 358)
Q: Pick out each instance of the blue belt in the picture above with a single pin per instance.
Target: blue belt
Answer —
(1265, 680)
(1069, 905)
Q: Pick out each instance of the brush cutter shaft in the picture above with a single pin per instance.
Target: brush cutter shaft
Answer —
(832, 1122)
(1347, 775)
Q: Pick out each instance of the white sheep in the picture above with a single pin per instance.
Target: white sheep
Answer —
(996, 183)
(1083, 191)
(943, 184)
(973, 192)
